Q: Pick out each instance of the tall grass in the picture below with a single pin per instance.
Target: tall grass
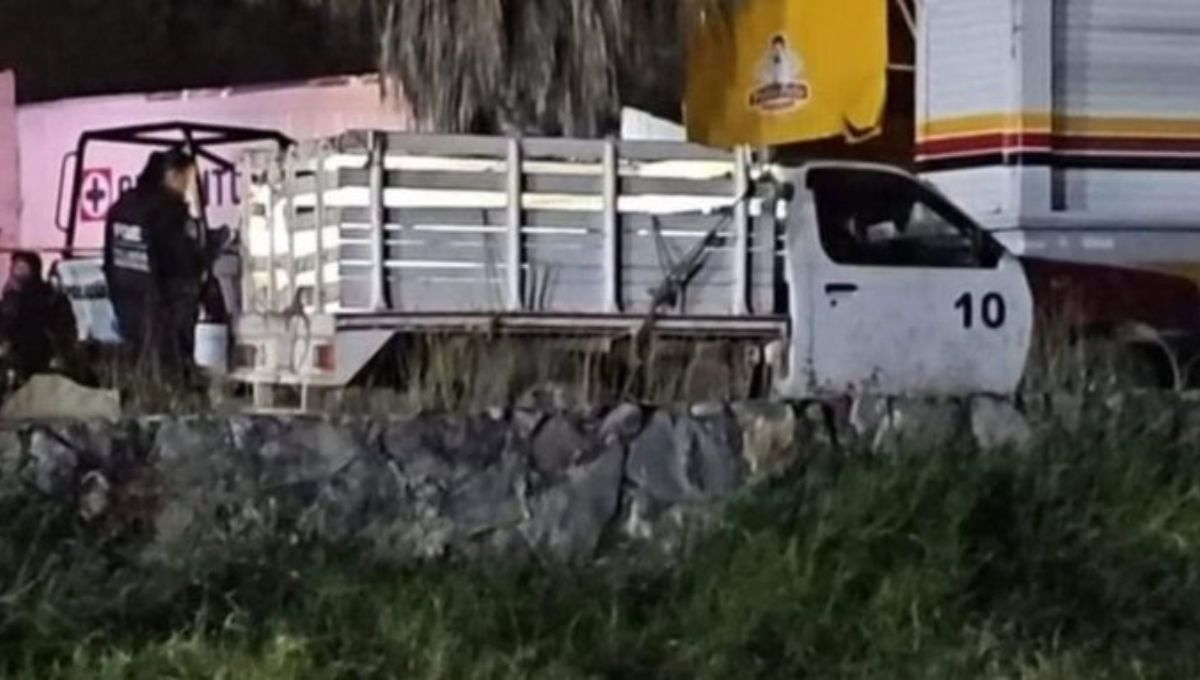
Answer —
(1077, 558)
(1066, 356)
(478, 371)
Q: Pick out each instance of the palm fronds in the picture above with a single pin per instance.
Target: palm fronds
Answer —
(549, 66)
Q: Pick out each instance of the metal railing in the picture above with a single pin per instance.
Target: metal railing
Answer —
(377, 222)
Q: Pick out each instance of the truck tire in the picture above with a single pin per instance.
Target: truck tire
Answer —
(1116, 365)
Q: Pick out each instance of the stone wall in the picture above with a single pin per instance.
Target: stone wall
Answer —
(555, 485)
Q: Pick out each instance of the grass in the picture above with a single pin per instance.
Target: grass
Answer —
(478, 370)
(475, 371)
(471, 372)
(1079, 558)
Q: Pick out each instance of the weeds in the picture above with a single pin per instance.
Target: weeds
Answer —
(1066, 356)
(479, 369)
(474, 372)
(1078, 558)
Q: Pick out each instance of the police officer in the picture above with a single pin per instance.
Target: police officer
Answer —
(153, 263)
(37, 324)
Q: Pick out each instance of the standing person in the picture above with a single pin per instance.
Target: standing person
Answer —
(37, 324)
(154, 264)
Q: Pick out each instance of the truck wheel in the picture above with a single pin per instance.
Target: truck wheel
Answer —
(1129, 366)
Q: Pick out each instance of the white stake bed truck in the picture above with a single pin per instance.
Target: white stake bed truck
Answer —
(848, 277)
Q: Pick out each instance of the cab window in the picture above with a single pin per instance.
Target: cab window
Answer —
(877, 218)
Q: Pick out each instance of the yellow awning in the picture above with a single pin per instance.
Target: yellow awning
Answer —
(788, 71)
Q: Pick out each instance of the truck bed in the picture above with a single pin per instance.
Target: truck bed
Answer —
(372, 235)
(411, 227)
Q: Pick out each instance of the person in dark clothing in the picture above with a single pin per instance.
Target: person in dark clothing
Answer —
(37, 324)
(154, 265)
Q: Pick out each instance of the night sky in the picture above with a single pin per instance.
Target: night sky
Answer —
(83, 47)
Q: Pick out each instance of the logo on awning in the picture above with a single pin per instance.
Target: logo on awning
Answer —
(781, 83)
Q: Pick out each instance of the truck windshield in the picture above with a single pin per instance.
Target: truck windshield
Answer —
(879, 218)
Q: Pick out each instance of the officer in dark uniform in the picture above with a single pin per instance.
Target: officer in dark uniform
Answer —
(153, 263)
(37, 324)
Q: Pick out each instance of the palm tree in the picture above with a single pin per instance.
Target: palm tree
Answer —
(548, 66)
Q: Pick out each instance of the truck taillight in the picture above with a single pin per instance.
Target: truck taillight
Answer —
(325, 358)
(245, 356)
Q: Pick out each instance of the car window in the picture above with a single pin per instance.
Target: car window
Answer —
(878, 218)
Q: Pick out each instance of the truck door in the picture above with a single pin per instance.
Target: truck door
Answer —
(908, 295)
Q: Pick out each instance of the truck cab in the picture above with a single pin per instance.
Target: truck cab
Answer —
(895, 290)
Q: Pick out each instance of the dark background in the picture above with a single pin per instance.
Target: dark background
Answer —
(65, 48)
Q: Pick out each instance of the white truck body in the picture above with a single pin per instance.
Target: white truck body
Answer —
(1071, 127)
(47, 135)
(351, 240)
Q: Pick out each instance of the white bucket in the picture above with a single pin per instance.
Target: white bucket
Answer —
(212, 347)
